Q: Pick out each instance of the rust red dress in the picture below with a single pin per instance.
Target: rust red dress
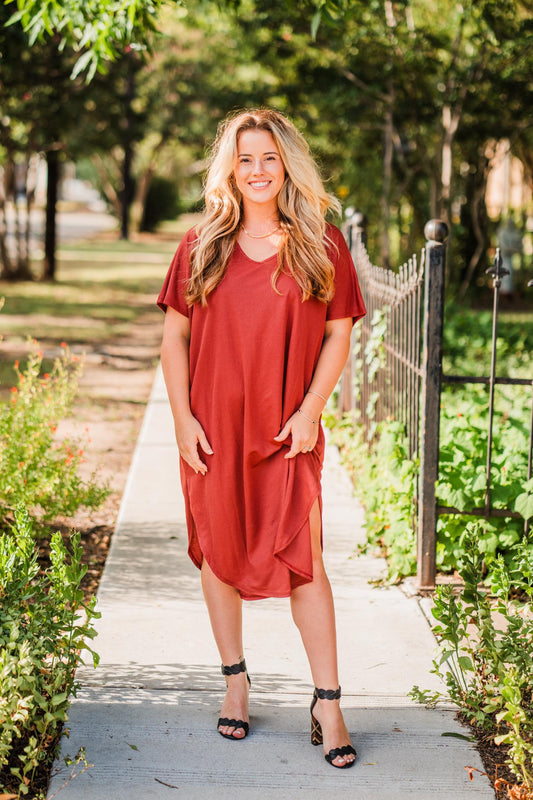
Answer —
(252, 357)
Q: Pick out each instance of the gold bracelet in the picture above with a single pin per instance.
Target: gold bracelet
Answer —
(311, 391)
(314, 421)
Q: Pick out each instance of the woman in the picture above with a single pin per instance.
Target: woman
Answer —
(260, 300)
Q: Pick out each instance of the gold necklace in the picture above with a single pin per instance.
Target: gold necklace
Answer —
(261, 235)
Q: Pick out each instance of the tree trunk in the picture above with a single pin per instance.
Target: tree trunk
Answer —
(474, 220)
(108, 182)
(52, 161)
(142, 187)
(127, 178)
(127, 191)
(141, 193)
(450, 123)
(388, 150)
(5, 261)
(14, 267)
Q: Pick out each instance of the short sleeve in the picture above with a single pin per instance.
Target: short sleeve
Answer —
(173, 292)
(347, 300)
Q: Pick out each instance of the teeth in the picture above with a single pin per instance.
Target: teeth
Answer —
(259, 184)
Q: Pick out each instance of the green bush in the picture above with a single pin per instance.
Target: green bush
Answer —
(385, 481)
(162, 203)
(462, 471)
(467, 336)
(385, 478)
(44, 626)
(488, 667)
(36, 469)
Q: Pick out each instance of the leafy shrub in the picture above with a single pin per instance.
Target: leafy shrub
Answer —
(488, 667)
(462, 471)
(384, 479)
(36, 469)
(44, 625)
(466, 343)
(162, 203)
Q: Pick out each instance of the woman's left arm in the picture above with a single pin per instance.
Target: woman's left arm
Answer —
(304, 423)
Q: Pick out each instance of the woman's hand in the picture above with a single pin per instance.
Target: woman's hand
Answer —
(190, 434)
(304, 434)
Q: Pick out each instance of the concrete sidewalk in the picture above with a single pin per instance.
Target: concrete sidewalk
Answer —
(147, 716)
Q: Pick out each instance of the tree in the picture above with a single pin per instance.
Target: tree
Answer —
(199, 70)
(400, 102)
(99, 30)
(40, 104)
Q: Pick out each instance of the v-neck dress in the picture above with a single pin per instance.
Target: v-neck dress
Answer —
(252, 355)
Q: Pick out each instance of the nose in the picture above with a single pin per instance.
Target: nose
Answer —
(258, 166)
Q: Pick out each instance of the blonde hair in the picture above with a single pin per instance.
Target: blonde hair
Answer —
(302, 205)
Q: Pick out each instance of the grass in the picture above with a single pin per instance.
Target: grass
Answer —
(102, 287)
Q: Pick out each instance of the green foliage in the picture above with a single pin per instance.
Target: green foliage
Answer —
(162, 203)
(35, 468)
(384, 479)
(486, 647)
(101, 30)
(462, 470)
(44, 627)
(466, 337)
(338, 68)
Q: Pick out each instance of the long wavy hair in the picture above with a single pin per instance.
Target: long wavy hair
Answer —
(302, 206)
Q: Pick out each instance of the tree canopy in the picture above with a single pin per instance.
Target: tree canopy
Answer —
(402, 102)
(99, 30)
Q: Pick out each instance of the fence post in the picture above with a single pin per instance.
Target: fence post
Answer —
(436, 233)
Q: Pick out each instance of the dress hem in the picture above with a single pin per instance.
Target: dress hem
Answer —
(244, 595)
(306, 576)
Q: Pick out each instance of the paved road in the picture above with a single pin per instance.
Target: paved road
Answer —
(71, 225)
(147, 715)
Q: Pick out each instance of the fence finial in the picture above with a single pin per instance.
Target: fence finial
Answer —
(436, 231)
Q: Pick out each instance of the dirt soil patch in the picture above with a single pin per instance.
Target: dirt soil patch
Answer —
(108, 414)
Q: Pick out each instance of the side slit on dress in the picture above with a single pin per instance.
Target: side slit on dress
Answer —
(252, 356)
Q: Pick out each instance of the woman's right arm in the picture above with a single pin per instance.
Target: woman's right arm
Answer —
(175, 363)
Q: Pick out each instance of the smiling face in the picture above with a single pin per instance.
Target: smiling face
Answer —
(259, 171)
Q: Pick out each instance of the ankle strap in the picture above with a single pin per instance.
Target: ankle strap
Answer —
(234, 669)
(328, 694)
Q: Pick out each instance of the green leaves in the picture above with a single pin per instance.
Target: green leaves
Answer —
(37, 469)
(44, 627)
(101, 30)
(486, 647)
(385, 479)
(524, 502)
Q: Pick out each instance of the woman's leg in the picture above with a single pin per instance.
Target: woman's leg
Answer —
(314, 614)
(225, 612)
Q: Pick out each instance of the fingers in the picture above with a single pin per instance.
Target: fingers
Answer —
(304, 436)
(204, 444)
(188, 437)
(284, 432)
(298, 447)
(192, 458)
(292, 453)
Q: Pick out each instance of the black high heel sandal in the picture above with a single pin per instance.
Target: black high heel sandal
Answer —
(234, 723)
(316, 730)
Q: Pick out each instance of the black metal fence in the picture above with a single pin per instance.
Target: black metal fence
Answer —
(395, 372)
